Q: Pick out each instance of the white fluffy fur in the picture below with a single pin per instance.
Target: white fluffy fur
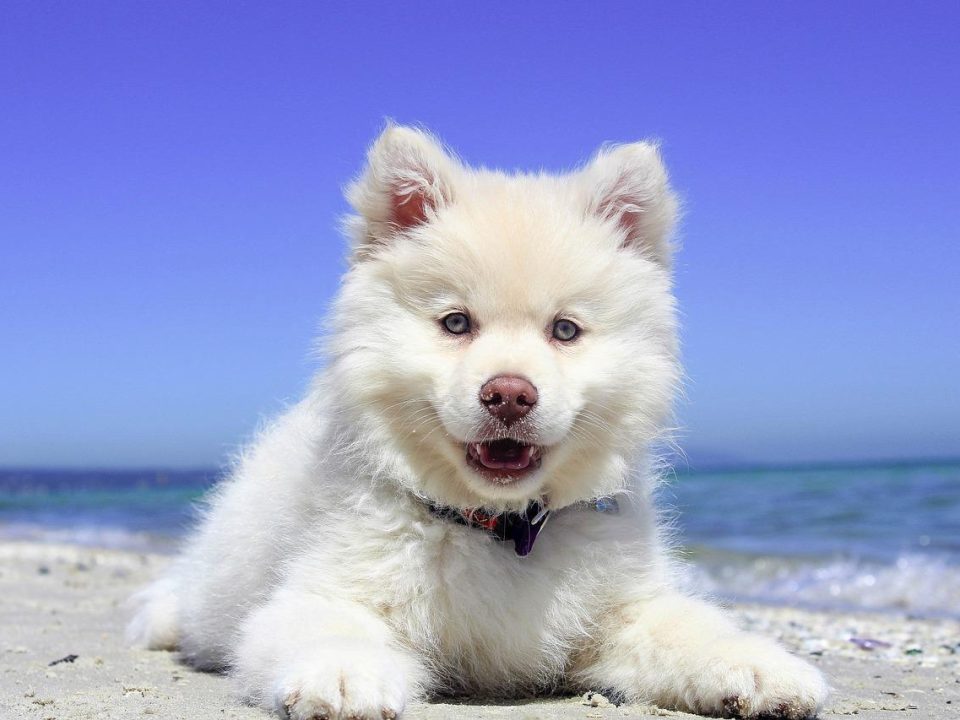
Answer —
(318, 577)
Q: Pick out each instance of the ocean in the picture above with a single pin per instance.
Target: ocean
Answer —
(872, 537)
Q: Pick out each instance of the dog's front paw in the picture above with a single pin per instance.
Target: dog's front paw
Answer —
(346, 682)
(748, 677)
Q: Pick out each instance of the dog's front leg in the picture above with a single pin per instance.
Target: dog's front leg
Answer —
(683, 653)
(311, 658)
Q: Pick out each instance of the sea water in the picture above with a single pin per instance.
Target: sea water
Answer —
(876, 537)
(883, 537)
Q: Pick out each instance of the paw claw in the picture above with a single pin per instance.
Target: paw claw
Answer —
(734, 706)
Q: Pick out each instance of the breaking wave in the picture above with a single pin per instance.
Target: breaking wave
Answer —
(923, 585)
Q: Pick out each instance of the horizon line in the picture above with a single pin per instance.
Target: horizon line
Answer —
(679, 466)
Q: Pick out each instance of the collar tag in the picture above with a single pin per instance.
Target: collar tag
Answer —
(524, 527)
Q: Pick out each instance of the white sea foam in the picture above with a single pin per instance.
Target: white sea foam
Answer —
(914, 583)
(114, 538)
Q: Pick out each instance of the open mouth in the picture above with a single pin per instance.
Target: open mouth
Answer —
(503, 461)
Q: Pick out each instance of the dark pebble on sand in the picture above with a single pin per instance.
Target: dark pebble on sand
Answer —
(66, 659)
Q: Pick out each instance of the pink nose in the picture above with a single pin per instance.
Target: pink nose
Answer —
(508, 397)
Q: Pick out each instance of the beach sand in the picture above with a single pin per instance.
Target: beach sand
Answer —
(62, 601)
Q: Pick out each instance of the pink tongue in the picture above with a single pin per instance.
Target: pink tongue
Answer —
(512, 461)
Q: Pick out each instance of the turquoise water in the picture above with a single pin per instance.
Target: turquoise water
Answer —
(884, 537)
(128, 509)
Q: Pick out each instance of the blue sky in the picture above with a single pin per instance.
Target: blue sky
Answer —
(171, 174)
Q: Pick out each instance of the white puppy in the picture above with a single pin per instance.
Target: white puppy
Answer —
(502, 354)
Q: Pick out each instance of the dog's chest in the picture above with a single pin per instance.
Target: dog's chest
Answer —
(489, 617)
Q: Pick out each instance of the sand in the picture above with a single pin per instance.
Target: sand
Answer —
(67, 602)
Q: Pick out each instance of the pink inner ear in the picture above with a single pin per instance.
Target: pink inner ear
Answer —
(409, 209)
(630, 221)
(621, 207)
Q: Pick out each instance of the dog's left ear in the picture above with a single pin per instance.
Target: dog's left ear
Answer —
(408, 178)
(627, 185)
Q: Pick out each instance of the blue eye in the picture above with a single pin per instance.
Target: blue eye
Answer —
(456, 323)
(565, 330)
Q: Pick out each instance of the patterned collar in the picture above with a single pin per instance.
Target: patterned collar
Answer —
(522, 527)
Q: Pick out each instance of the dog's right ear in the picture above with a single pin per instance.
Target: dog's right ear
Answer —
(408, 178)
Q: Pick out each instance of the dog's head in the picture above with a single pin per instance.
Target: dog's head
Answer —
(501, 338)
